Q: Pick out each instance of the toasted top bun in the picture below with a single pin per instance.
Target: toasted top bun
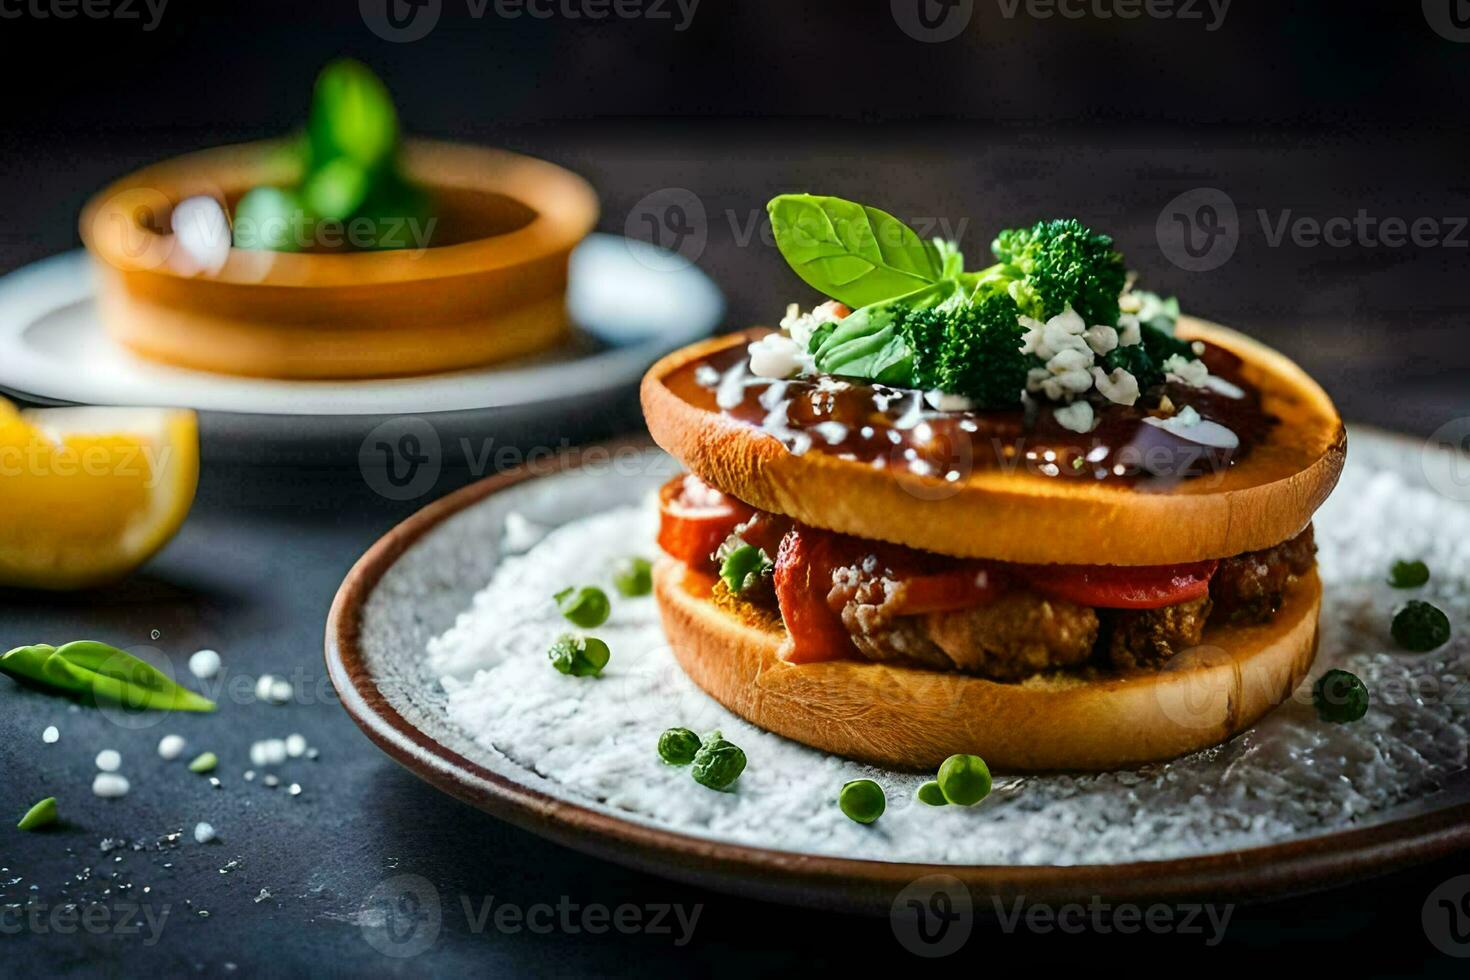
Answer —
(1011, 515)
(912, 718)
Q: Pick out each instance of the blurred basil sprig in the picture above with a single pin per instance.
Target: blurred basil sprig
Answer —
(350, 174)
(101, 672)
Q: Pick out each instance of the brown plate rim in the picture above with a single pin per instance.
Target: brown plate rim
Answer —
(846, 884)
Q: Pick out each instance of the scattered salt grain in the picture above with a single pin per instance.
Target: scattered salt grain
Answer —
(295, 745)
(271, 780)
(263, 896)
(204, 664)
(171, 746)
(110, 785)
(204, 833)
(263, 685)
(108, 760)
(51, 735)
(281, 691)
(294, 789)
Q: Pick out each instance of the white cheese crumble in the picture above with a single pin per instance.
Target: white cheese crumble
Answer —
(944, 402)
(1069, 349)
(1076, 417)
(201, 237)
(800, 326)
(51, 735)
(204, 664)
(276, 690)
(204, 833)
(108, 760)
(1183, 370)
(295, 745)
(110, 785)
(1120, 387)
(171, 746)
(778, 357)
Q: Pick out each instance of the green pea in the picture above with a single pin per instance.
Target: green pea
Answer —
(743, 565)
(1340, 697)
(43, 814)
(862, 800)
(1408, 574)
(204, 762)
(586, 607)
(678, 746)
(1420, 627)
(931, 794)
(579, 656)
(964, 779)
(633, 577)
(718, 763)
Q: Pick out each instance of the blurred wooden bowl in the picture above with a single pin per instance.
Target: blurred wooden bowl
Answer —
(489, 286)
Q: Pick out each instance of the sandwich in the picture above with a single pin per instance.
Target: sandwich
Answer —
(1029, 511)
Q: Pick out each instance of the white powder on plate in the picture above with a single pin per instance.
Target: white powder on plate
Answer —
(595, 738)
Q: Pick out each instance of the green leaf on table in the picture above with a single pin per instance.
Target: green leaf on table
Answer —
(101, 672)
(855, 254)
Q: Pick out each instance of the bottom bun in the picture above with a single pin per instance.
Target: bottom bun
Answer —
(909, 718)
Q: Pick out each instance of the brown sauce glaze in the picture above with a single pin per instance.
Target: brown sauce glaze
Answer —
(895, 427)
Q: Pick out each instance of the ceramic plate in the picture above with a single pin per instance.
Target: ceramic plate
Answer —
(413, 583)
(632, 301)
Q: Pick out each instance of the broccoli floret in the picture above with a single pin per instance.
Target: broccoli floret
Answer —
(1145, 361)
(973, 351)
(1056, 263)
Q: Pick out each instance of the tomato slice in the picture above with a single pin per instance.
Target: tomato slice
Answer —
(695, 519)
(803, 578)
(1120, 586)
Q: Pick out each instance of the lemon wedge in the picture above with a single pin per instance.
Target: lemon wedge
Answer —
(88, 494)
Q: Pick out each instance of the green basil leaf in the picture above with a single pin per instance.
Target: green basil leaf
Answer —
(855, 254)
(352, 116)
(102, 672)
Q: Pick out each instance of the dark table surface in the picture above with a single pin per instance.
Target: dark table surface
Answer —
(256, 566)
